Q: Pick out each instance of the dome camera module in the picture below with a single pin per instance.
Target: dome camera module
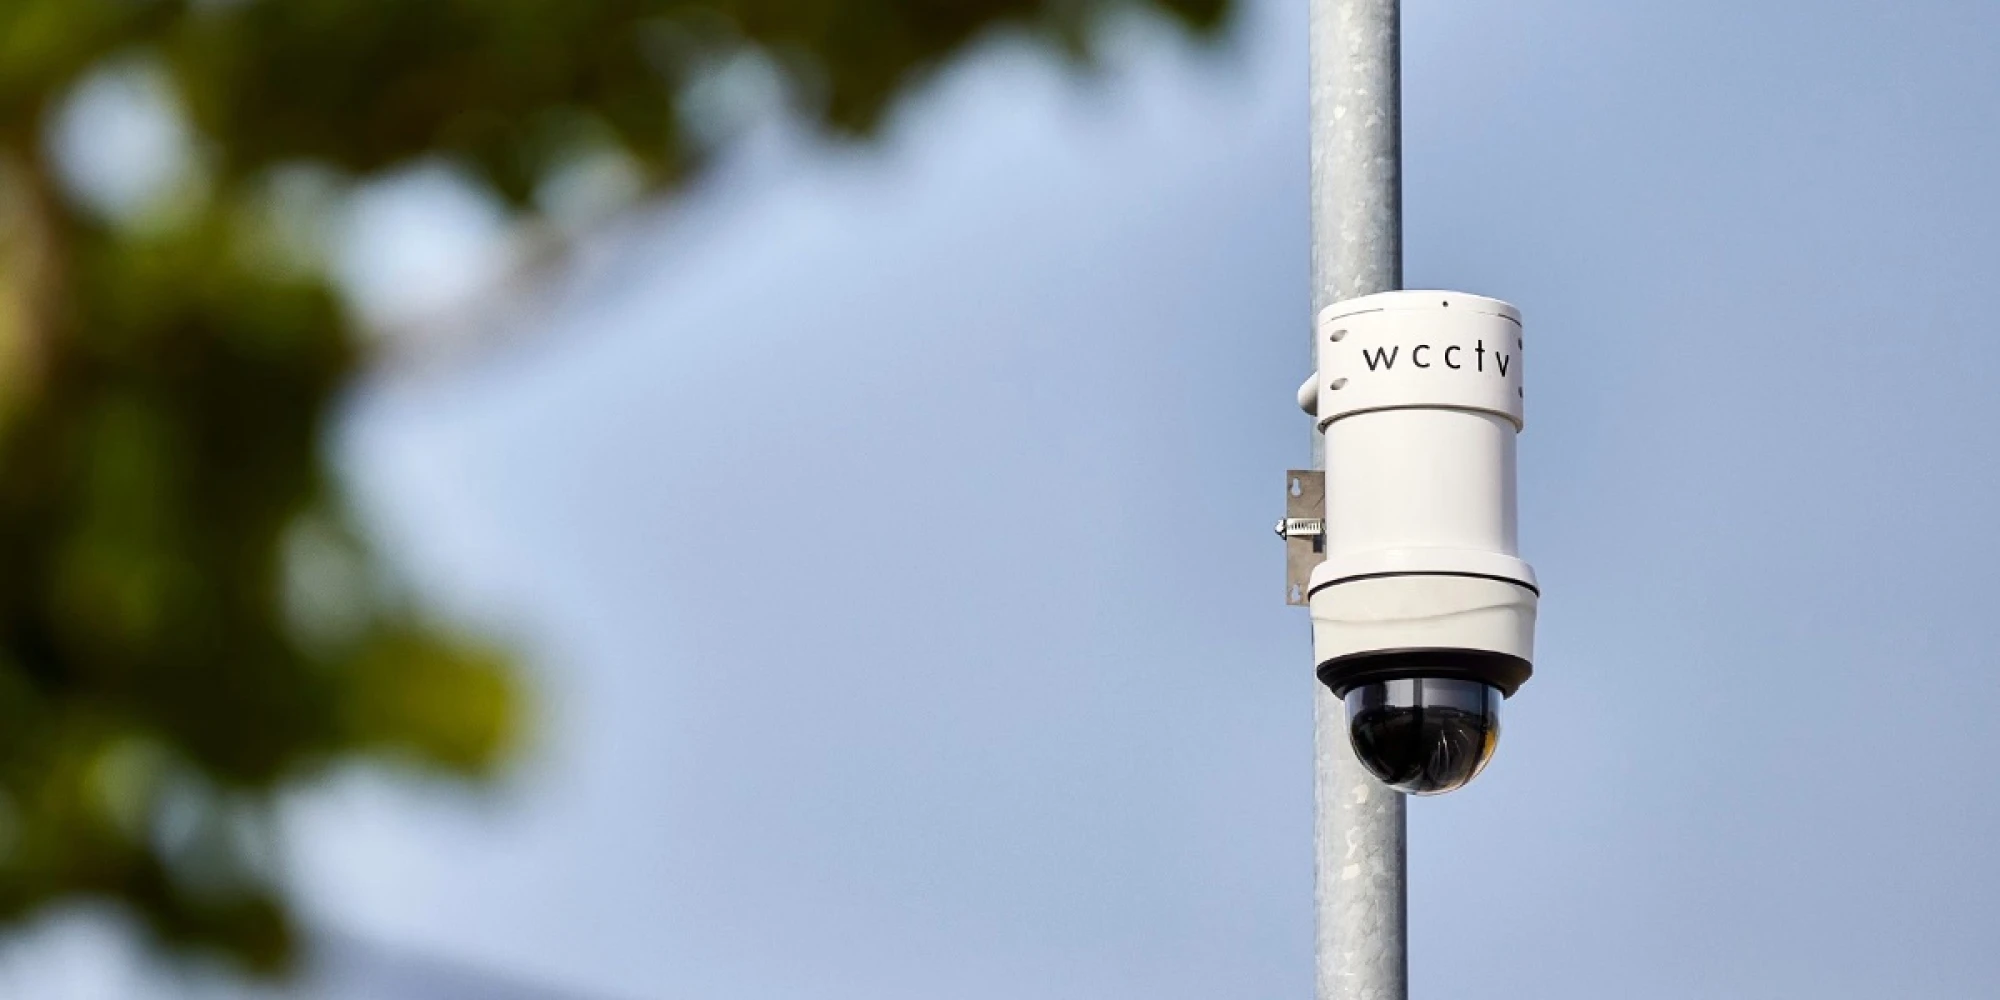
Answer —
(1424, 721)
(1424, 735)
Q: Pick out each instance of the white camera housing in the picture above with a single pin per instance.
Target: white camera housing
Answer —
(1423, 595)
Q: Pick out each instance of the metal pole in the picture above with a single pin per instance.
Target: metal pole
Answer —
(1357, 249)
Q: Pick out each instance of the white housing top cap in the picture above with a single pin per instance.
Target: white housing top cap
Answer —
(1421, 396)
(1430, 349)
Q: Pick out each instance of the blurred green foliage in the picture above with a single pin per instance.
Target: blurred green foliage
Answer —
(187, 625)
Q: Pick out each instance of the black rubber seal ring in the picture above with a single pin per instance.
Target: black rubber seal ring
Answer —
(1501, 670)
(1395, 573)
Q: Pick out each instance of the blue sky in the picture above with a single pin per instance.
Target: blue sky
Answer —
(889, 529)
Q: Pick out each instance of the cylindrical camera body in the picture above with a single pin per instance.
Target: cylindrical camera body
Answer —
(1423, 612)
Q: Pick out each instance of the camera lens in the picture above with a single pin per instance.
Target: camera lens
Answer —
(1424, 735)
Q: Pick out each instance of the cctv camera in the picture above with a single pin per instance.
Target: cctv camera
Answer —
(1423, 612)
